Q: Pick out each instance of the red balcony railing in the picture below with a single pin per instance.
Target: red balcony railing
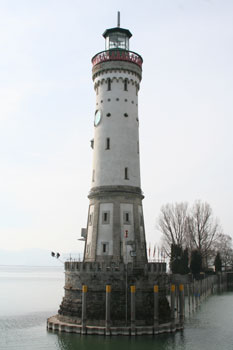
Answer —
(117, 55)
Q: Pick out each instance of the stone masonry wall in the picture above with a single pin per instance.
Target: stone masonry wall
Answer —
(96, 277)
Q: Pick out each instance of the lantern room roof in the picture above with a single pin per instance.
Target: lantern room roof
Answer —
(117, 30)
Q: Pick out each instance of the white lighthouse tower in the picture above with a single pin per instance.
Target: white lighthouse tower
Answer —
(115, 226)
(115, 283)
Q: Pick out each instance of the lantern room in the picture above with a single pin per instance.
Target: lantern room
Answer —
(117, 38)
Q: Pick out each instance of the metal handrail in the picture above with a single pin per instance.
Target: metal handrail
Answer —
(117, 55)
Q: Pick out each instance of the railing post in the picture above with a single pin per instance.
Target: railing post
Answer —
(84, 308)
(192, 296)
(189, 297)
(156, 308)
(133, 290)
(181, 302)
(173, 289)
(107, 314)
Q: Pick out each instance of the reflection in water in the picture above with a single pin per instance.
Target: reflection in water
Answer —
(161, 342)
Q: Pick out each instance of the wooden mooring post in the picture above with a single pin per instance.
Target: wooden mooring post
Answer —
(84, 308)
(107, 310)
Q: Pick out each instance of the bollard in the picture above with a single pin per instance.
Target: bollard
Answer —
(173, 289)
(181, 302)
(132, 290)
(84, 308)
(156, 307)
(107, 314)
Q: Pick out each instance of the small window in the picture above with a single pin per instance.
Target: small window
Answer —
(126, 115)
(107, 143)
(126, 174)
(126, 216)
(97, 90)
(125, 85)
(104, 247)
(108, 115)
(92, 143)
(90, 219)
(109, 84)
(105, 217)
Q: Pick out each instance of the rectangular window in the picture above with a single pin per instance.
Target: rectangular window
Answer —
(106, 217)
(109, 84)
(90, 219)
(125, 85)
(126, 174)
(126, 216)
(107, 143)
(104, 247)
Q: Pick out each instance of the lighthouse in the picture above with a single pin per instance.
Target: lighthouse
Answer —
(114, 290)
(115, 227)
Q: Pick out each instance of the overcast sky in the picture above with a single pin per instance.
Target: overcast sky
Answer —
(47, 105)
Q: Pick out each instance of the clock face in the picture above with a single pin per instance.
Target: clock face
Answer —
(98, 116)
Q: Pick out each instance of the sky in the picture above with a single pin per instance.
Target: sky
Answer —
(47, 105)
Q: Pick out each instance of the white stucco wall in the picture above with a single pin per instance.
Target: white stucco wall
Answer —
(125, 207)
(89, 231)
(105, 230)
(141, 219)
(109, 165)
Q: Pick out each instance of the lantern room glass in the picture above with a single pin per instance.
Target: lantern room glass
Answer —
(117, 41)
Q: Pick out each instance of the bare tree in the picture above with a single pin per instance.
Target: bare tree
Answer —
(224, 246)
(172, 222)
(203, 230)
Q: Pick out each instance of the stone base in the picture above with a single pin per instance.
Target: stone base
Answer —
(96, 276)
(54, 324)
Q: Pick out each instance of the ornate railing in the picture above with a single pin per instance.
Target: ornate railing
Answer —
(117, 55)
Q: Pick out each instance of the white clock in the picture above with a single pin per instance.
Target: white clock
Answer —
(98, 116)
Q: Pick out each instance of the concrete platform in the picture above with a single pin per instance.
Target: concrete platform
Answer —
(54, 324)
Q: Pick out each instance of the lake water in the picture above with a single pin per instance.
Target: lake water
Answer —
(29, 295)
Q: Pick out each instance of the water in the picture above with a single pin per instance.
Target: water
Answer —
(29, 295)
